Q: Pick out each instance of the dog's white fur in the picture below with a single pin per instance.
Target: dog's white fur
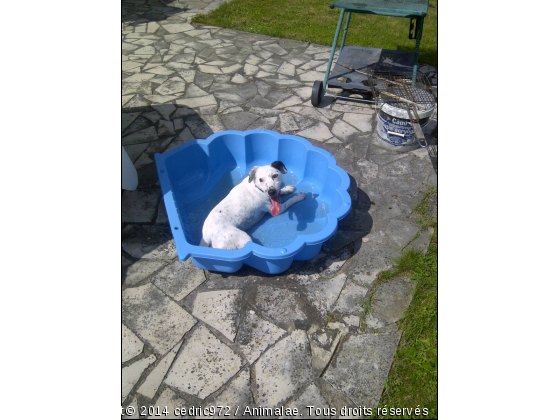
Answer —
(244, 206)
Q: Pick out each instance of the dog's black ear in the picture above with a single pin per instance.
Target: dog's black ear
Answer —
(280, 166)
(252, 174)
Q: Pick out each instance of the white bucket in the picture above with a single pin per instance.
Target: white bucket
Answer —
(394, 130)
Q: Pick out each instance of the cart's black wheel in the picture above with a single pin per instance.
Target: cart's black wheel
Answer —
(317, 93)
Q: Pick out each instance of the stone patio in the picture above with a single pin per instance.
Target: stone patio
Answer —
(203, 339)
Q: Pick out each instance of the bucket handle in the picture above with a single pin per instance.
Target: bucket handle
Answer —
(396, 134)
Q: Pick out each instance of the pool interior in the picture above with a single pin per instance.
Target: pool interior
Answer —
(202, 175)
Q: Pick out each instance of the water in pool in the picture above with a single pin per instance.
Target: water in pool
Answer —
(303, 218)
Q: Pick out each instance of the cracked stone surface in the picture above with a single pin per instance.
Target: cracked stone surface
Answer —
(283, 369)
(246, 338)
(155, 317)
(132, 373)
(131, 345)
(362, 365)
(390, 300)
(204, 365)
(310, 397)
(256, 335)
(237, 394)
(155, 378)
(219, 309)
(179, 279)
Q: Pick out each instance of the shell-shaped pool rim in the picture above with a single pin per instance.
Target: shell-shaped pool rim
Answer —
(269, 260)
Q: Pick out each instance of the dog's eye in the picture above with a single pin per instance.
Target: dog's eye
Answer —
(274, 176)
(261, 180)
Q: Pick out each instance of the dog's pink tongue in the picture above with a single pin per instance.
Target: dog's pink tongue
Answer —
(275, 205)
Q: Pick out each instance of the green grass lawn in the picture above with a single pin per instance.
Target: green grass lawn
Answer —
(412, 380)
(313, 21)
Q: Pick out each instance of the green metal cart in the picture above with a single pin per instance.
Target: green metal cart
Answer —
(351, 69)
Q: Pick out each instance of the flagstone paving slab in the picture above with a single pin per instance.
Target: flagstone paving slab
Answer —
(131, 345)
(361, 366)
(155, 317)
(219, 309)
(203, 365)
(179, 279)
(132, 373)
(183, 81)
(155, 378)
(277, 380)
(256, 335)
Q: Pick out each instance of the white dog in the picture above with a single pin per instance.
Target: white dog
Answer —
(245, 205)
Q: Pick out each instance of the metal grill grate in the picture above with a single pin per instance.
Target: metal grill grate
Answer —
(397, 90)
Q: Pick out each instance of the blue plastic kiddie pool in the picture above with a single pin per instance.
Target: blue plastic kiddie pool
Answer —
(197, 175)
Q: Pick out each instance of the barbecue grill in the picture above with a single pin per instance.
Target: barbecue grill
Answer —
(351, 71)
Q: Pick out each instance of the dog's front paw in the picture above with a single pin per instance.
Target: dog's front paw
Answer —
(288, 190)
(300, 196)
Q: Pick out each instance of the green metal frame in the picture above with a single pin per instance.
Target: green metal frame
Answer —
(420, 24)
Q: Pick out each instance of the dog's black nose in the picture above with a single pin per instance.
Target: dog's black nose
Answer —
(272, 192)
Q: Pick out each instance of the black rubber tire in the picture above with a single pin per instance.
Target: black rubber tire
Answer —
(316, 93)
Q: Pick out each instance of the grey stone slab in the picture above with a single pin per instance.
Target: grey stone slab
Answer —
(175, 28)
(350, 299)
(287, 123)
(422, 242)
(362, 122)
(260, 102)
(204, 365)
(219, 309)
(131, 346)
(401, 232)
(277, 380)
(165, 128)
(236, 394)
(321, 267)
(179, 279)
(143, 88)
(238, 120)
(152, 242)
(280, 305)
(343, 130)
(323, 342)
(197, 102)
(171, 401)
(342, 405)
(141, 136)
(291, 101)
(369, 170)
(135, 150)
(256, 335)
(390, 300)
(139, 206)
(263, 124)
(314, 114)
(319, 132)
(361, 366)
(154, 317)
(376, 255)
(153, 381)
(127, 119)
(160, 70)
(324, 293)
(139, 123)
(165, 110)
(140, 270)
(310, 405)
(171, 86)
(132, 373)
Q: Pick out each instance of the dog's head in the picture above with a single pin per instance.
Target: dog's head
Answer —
(268, 179)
